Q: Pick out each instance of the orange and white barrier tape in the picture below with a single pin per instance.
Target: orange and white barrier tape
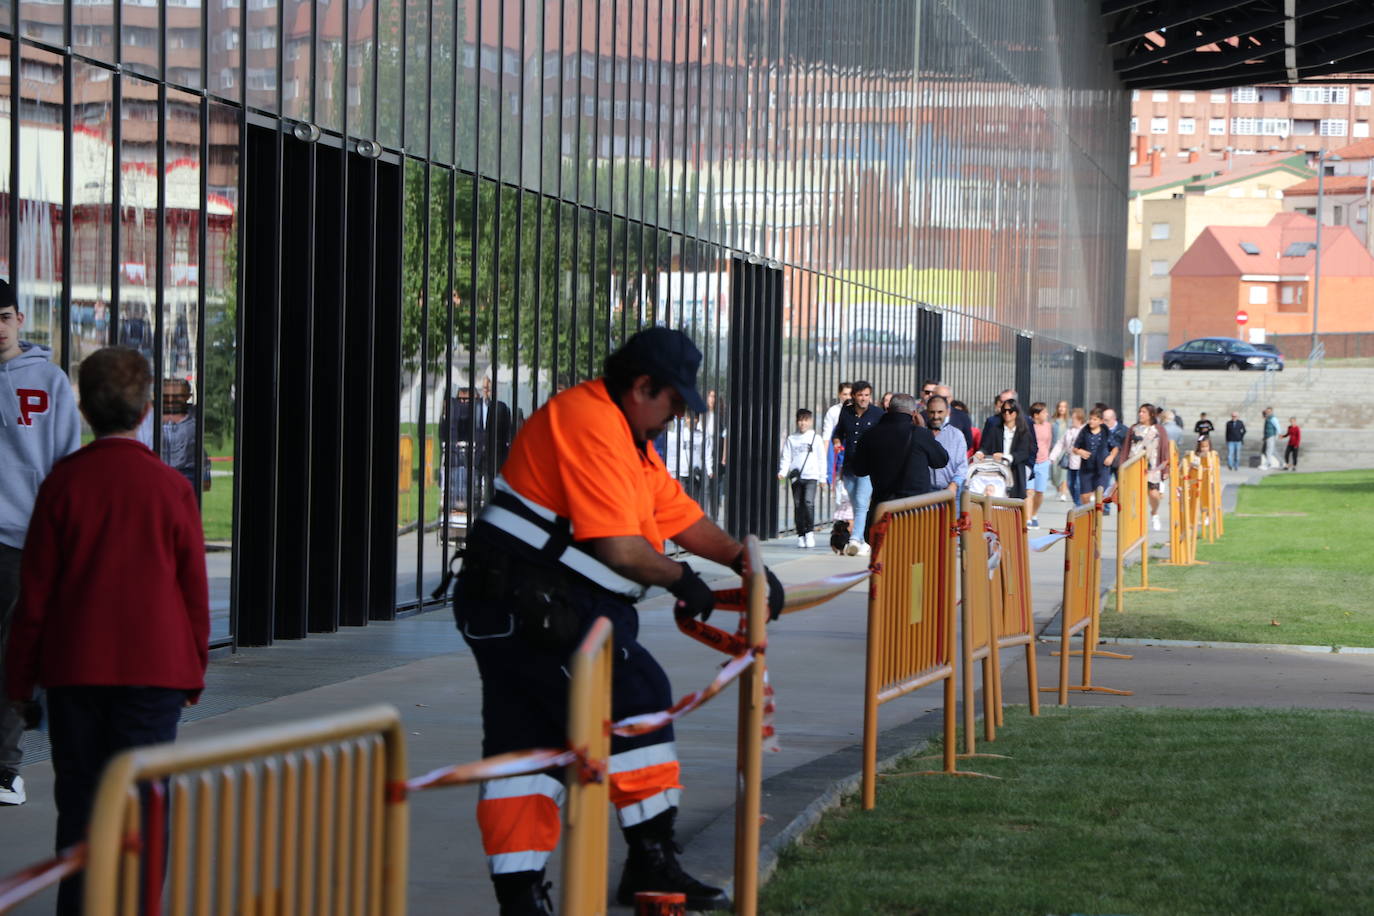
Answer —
(653, 721)
(798, 597)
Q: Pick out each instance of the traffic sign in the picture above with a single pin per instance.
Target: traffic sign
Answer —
(1242, 317)
(1134, 325)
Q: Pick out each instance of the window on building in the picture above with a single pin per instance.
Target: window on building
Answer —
(1245, 127)
(1338, 216)
(1187, 126)
(1159, 125)
(1216, 127)
(1286, 295)
(1159, 268)
(1187, 97)
(1321, 95)
(1245, 94)
(1135, 125)
(1159, 95)
(1333, 127)
(1159, 230)
(1259, 295)
(1361, 129)
(1275, 127)
(1135, 95)
(1362, 97)
(1218, 97)
(1159, 306)
(1298, 249)
(1249, 248)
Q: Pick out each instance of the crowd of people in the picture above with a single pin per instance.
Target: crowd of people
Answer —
(904, 445)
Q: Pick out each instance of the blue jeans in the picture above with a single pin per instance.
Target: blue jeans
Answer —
(1233, 455)
(860, 494)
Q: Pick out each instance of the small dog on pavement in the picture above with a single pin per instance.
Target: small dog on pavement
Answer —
(839, 536)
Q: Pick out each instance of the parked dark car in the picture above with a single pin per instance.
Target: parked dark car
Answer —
(1270, 348)
(870, 344)
(1221, 353)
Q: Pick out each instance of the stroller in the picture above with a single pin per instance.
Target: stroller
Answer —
(989, 478)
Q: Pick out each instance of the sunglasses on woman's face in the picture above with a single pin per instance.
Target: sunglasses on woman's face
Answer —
(1010, 410)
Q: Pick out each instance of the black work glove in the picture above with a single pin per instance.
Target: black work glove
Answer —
(694, 596)
(776, 594)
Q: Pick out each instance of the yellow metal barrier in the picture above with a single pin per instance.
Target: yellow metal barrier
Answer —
(749, 751)
(1132, 526)
(1185, 493)
(585, 850)
(1012, 613)
(1082, 599)
(305, 817)
(1209, 495)
(911, 630)
(981, 564)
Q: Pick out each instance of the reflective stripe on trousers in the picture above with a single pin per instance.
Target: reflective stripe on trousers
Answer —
(520, 816)
(520, 822)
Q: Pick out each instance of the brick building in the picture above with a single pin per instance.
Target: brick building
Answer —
(1268, 272)
(1253, 119)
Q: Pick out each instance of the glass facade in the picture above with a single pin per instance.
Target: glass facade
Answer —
(437, 214)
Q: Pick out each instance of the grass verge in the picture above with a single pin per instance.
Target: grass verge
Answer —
(1293, 567)
(1116, 810)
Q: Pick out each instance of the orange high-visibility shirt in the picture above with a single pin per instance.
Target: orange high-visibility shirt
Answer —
(577, 457)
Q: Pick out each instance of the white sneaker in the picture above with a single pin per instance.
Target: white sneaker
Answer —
(1154, 522)
(852, 548)
(810, 539)
(11, 789)
(1063, 497)
(864, 549)
(801, 540)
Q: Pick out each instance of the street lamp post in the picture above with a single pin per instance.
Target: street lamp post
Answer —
(1322, 158)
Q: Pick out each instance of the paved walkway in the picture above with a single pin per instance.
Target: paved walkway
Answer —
(816, 666)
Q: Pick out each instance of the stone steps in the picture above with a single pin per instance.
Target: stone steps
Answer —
(1325, 399)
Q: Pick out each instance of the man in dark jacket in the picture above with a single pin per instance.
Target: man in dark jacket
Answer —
(896, 455)
(857, 417)
(1235, 437)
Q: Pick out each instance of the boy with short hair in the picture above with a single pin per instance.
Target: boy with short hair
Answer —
(38, 425)
(114, 614)
(802, 465)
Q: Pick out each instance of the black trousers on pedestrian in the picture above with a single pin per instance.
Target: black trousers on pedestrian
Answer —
(1290, 455)
(804, 504)
(87, 726)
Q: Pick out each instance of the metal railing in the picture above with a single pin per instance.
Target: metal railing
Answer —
(1132, 525)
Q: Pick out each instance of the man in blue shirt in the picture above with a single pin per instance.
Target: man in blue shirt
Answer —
(952, 475)
(856, 418)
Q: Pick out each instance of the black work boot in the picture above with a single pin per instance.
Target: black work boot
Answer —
(652, 866)
(523, 893)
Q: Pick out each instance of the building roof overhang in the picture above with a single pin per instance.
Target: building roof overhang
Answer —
(1208, 44)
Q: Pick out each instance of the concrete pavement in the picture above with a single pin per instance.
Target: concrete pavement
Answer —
(816, 667)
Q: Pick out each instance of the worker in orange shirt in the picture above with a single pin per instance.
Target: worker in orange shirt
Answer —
(574, 531)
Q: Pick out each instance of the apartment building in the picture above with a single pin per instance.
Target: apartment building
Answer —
(1248, 120)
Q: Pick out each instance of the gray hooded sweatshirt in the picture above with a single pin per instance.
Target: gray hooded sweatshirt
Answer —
(39, 424)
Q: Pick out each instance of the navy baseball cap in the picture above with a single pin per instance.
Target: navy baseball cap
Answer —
(669, 355)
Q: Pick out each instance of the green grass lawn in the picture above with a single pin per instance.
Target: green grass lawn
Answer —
(1111, 810)
(1297, 551)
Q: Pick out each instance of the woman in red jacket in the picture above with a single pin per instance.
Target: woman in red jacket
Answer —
(113, 615)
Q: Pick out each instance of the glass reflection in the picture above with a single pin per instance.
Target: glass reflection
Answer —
(93, 208)
(329, 57)
(42, 200)
(260, 79)
(225, 78)
(185, 52)
(389, 53)
(215, 392)
(140, 42)
(362, 70)
(6, 200)
(138, 201)
(298, 55)
(93, 29)
(411, 485)
(437, 340)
